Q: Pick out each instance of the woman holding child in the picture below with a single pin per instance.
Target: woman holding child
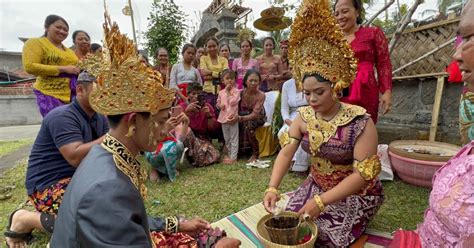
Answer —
(342, 192)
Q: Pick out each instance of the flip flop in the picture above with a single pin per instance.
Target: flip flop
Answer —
(27, 237)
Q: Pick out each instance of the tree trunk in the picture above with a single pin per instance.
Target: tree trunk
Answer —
(378, 13)
(403, 25)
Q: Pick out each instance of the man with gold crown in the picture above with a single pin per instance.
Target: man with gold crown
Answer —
(103, 205)
(342, 192)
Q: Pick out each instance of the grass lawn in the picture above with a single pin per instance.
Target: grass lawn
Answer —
(10, 146)
(220, 190)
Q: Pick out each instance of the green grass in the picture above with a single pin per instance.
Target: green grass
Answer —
(10, 146)
(220, 190)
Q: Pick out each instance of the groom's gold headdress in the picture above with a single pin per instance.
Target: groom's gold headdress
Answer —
(317, 45)
(124, 83)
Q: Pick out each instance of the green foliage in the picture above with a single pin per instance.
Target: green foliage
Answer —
(390, 25)
(166, 28)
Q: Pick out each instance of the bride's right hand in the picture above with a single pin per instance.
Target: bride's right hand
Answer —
(269, 202)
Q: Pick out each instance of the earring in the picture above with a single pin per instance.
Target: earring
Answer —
(131, 131)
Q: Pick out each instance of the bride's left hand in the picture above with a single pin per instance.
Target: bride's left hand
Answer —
(310, 208)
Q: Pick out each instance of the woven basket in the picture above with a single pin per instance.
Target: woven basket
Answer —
(265, 239)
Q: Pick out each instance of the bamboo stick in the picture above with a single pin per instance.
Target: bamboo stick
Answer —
(403, 25)
(424, 56)
(379, 12)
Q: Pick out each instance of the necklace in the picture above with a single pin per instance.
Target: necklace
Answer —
(126, 163)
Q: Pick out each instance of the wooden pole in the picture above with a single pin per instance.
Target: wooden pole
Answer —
(436, 107)
(406, 19)
(372, 18)
(133, 23)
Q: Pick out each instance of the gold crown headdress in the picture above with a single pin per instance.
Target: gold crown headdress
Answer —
(124, 83)
(317, 45)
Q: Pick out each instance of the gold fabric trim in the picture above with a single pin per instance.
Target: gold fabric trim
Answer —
(320, 131)
(171, 224)
(285, 139)
(369, 168)
(126, 163)
(325, 166)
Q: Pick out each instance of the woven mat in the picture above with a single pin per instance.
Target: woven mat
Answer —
(243, 226)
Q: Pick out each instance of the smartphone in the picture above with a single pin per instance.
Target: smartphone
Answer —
(175, 111)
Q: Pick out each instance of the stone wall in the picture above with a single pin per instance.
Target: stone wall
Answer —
(18, 110)
(411, 114)
(10, 61)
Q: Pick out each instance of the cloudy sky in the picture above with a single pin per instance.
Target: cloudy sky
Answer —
(25, 18)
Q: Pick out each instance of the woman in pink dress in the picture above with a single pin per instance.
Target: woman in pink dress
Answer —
(244, 63)
(270, 66)
(370, 47)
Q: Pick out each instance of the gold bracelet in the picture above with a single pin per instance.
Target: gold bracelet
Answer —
(273, 190)
(319, 202)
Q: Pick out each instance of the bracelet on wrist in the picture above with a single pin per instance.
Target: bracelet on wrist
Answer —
(273, 190)
(319, 203)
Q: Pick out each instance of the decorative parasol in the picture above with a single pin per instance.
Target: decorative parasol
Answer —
(272, 19)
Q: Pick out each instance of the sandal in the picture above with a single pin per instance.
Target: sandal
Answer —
(27, 237)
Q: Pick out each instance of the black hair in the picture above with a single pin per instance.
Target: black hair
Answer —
(321, 79)
(250, 72)
(229, 72)
(247, 40)
(317, 76)
(224, 45)
(359, 7)
(52, 19)
(269, 38)
(187, 46)
(95, 47)
(114, 120)
(194, 87)
(74, 35)
(213, 39)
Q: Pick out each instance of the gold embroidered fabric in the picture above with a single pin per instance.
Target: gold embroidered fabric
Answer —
(124, 83)
(325, 166)
(320, 131)
(126, 163)
(317, 45)
(369, 168)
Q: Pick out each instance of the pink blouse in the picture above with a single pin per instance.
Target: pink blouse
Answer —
(240, 69)
(231, 103)
(449, 220)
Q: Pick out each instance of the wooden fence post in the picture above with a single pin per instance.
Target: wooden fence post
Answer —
(436, 107)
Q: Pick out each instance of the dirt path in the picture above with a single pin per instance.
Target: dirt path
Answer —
(11, 159)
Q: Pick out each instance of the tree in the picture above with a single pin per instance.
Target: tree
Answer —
(389, 26)
(166, 28)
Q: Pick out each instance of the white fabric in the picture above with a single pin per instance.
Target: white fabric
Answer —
(291, 100)
(386, 173)
(269, 105)
(179, 75)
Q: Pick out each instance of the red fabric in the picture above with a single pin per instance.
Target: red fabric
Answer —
(198, 120)
(405, 239)
(184, 89)
(371, 49)
(454, 73)
(160, 145)
(169, 240)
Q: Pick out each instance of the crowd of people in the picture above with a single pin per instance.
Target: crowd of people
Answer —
(331, 84)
